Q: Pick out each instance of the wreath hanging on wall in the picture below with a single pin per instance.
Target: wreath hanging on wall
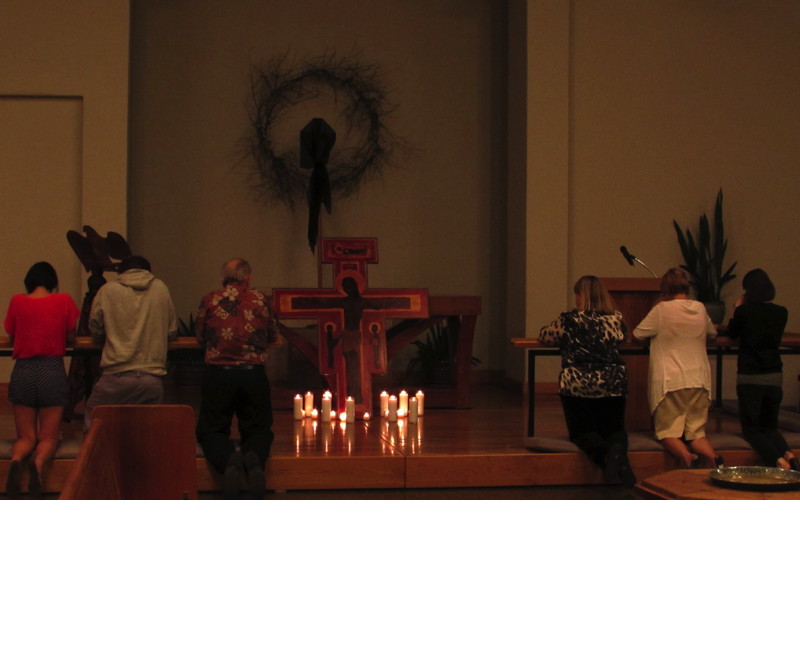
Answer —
(359, 94)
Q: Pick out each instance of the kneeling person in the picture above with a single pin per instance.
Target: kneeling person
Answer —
(236, 324)
(134, 318)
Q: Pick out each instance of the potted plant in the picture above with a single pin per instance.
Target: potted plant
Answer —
(704, 261)
(188, 364)
(434, 356)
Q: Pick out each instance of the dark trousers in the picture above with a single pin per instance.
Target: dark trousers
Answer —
(244, 393)
(596, 424)
(758, 415)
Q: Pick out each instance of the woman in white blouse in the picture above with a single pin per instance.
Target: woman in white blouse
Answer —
(680, 376)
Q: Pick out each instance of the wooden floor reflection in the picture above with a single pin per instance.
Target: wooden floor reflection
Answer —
(477, 448)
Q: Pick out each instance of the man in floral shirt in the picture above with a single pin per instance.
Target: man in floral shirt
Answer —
(236, 324)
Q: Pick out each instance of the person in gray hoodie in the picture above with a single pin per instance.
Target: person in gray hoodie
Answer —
(133, 317)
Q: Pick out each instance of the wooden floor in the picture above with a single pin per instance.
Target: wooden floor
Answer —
(475, 453)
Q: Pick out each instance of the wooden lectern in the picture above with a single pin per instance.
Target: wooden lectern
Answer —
(634, 298)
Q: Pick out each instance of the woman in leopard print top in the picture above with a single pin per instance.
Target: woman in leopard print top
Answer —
(593, 382)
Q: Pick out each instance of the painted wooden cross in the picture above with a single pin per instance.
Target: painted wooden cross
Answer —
(352, 330)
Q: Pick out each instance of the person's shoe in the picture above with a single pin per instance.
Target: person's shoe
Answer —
(12, 481)
(255, 475)
(231, 479)
(34, 482)
(614, 461)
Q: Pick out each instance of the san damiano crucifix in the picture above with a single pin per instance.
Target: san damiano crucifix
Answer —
(351, 317)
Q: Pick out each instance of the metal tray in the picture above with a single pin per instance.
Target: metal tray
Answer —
(761, 479)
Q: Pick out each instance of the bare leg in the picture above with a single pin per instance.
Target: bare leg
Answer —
(678, 448)
(49, 434)
(702, 447)
(25, 421)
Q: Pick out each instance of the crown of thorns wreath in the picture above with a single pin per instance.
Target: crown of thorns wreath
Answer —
(277, 86)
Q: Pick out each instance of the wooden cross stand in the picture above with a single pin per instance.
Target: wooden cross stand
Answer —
(352, 329)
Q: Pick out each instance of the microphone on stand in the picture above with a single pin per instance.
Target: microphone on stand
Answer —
(630, 258)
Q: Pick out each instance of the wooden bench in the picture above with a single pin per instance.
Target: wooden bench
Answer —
(136, 452)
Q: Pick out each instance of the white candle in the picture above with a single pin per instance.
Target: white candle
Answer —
(413, 410)
(326, 406)
(366, 416)
(420, 402)
(342, 416)
(402, 403)
(384, 402)
(350, 409)
(392, 408)
(298, 407)
(401, 413)
(314, 413)
(309, 403)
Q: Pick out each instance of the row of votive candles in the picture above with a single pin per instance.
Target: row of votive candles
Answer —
(304, 407)
(391, 406)
(394, 406)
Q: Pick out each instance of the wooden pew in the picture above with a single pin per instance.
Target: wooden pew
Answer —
(95, 474)
(137, 452)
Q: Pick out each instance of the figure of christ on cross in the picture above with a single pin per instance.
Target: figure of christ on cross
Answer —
(352, 331)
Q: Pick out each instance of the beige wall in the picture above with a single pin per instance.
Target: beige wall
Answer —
(64, 101)
(634, 114)
(668, 102)
(439, 214)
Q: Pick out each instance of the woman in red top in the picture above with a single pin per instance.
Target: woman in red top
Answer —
(40, 323)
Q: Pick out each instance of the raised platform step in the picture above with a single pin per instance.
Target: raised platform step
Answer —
(482, 447)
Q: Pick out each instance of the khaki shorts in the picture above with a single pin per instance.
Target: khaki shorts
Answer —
(682, 413)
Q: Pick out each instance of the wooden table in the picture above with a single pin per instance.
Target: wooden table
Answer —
(85, 345)
(695, 484)
(719, 347)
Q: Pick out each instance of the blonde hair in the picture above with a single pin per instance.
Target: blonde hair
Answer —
(594, 295)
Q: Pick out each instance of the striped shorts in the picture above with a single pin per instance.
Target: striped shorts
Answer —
(38, 382)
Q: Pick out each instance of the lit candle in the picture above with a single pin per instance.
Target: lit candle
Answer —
(384, 402)
(401, 413)
(350, 409)
(333, 415)
(309, 404)
(402, 403)
(420, 402)
(392, 408)
(366, 416)
(342, 416)
(326, 406)
(314, 413)
(298, 407)
(413, 410)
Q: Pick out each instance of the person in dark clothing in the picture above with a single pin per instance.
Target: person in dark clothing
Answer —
(758, 323)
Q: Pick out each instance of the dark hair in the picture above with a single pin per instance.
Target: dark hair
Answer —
(41, 274)
(675, 281)
(133, 262)
(757, 286)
